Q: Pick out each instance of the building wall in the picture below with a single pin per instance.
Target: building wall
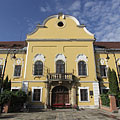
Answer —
(71, 41)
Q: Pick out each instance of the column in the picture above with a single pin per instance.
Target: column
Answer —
(47, 95)
(73, 95)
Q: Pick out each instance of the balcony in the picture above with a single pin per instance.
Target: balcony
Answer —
(62, 76)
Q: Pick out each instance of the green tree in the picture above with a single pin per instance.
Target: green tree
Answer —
(7, 84)
(113, 82)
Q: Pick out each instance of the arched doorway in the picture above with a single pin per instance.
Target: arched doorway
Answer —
(60, 96)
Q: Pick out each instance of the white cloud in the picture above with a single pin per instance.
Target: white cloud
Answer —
(45, 9)
(101, 17)
(75, 6)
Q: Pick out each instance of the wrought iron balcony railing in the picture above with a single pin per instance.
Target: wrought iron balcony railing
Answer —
(57, 76)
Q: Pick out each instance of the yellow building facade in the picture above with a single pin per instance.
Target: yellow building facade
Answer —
(59, 64)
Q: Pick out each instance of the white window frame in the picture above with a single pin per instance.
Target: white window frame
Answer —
(102, 88)
(38, 57)
(86, 70)
(60, 57)
(34, 69)
(18, 61)
(82, 57)
(14, 72)
(15, 88)
(106, 69)
(79, 88)
(40, 93)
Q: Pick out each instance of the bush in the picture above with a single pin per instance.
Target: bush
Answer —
(5, 97)
(17, 99)
(105, 100)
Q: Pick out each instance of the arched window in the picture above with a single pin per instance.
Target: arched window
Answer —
(38, 68)
(60, 66)
(82, 68)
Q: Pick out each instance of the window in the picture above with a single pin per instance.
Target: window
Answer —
(83, 94)
(104, 90)
(17, 70)
(15, 90)
(1, 69)
(38, 68)
(103, 70)
(60, 67)
(82, 68)
(36, 94)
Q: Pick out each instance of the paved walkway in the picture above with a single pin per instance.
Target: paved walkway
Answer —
(63, 114)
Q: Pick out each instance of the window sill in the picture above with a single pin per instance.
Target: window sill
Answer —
(16, 77)
(37, 76)
(84, 101)
(36, 101)
(83, 76)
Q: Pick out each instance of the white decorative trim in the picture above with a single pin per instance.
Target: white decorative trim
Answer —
(74, 19)
(16, 81)
(60, 57)
(40, 93)
(88, 82)
(81, 57)
(18, 61)
(15, 88)
(25, 86)
(89, 106)
(104, 88)
(39, 57)
(102, 61)
(118, 61)
(56, 16)
(96, 93)
(26, 61)
(79, 88)
(85, 29)
(35, 81)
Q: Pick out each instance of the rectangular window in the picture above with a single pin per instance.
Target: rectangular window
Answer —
(83, 94)
(104, 90)
(17, 70)
(15, 90)
(103, 70)
(1, 69)
(36, 94)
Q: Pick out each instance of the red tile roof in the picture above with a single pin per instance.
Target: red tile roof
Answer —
(22, 44)
(114, 45)
(12, 44)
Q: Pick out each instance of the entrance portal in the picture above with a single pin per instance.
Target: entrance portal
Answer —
(60, 96)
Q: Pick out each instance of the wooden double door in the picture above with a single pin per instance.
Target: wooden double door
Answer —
(60, 96)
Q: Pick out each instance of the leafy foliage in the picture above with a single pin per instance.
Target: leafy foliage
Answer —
(5, 97)
(113, 82)
(16, 99)
(6, 84)
(105, 100)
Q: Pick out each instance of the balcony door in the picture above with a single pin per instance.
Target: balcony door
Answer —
(60, 67)
(60, 96)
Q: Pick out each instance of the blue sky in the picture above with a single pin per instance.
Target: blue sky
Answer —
(19, 17)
